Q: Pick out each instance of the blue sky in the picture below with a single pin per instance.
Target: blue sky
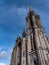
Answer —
(12, 22)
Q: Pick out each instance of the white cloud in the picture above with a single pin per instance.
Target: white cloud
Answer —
(2, 64)
(5, 54)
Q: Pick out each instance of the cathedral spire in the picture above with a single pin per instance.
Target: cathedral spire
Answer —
(33, 47)
(31, 11)
(30, 8)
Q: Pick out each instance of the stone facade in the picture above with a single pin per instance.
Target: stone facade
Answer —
(33, 47)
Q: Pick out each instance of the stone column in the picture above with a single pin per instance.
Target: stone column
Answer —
(18, 51)
(32, 42)
(46, 41)
(17, 56)
(28, 41)
(13, 58)
(43, 47)
(47, 48)
(38, 45)
(42, 36)
(40, 28)
(23, 54)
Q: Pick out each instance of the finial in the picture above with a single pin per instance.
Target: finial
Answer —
(31, 11)
(18, 39)
(24, 33)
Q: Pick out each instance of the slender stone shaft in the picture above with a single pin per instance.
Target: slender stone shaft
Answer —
(29, 41)
(23, 56)
(38, 45)
(13, 59)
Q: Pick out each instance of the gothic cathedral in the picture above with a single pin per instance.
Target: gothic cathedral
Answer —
(33, 47)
